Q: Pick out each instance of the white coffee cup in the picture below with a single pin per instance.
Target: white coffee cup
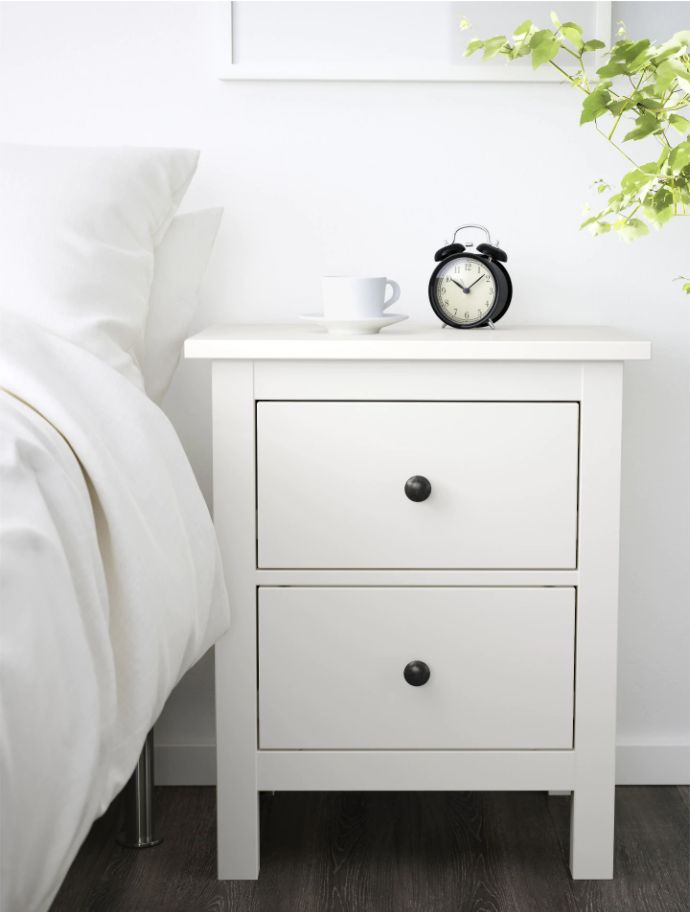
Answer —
(356, 298)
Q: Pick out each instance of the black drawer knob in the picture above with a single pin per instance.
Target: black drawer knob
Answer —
(417, 488)
(417, 673)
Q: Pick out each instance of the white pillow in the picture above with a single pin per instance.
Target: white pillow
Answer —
(78, 229)
(180, 264)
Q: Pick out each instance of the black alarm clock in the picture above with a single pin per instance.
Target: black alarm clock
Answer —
(467, 290)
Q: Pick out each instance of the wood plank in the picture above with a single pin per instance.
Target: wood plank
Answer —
(514, 578)
(592, 821)
(389, 852)
(93, 859)
(236, 659)
(651, 853)
(421, 381)
(331, 479)
(443, 770)
(523, 859)
(315, 634)
(416, 342)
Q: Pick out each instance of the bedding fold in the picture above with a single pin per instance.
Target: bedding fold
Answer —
(110, 589)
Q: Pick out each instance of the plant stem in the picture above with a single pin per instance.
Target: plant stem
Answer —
(615, 124)
(615, 146)
(627, 220)
(571, 79)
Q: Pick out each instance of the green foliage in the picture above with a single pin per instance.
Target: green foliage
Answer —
(640, 91)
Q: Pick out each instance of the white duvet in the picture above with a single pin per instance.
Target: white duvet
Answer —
(110, 588)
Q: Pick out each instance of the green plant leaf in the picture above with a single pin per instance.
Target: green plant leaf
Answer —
(679, 123)
(668, 73)
(644, 125)
(637, 52)
(493, 46)
(473, 46)
(593, 45)
(619, 105)
(658, 217)
(669, 49)
(573, 33)
(635, 180)
(617, 202)
(650, 104)
(630, 229)
(658, 207)
(683, 38)
(544, 50)
(680, 156)
(595, 104)
(596, 226)
(523, 28)
(629, 50)
(613, 68)
(600, 228)
(541, 35)
(665, 76)
(659, 199)
(674, 46)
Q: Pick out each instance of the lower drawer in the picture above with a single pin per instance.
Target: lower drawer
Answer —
(332, 664)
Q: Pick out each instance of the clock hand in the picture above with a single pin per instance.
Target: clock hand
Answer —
(459, 284)
(474, 283)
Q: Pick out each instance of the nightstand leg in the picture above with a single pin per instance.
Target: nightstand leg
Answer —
(591, 829)
(235, 652)
(236, 796)
(591, 833)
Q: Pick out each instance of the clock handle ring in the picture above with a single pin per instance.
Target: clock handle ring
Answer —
(472, 225)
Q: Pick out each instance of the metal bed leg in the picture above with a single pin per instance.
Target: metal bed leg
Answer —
(138, 830)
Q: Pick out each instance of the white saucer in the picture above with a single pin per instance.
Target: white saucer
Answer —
(365, 326)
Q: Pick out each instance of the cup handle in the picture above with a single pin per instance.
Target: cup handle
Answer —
(394, 297)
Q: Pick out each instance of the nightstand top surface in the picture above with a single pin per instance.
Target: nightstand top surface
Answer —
(416, 342)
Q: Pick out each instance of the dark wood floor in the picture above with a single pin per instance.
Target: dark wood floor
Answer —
(390, 852)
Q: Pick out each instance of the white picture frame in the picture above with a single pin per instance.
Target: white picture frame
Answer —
(317, 71)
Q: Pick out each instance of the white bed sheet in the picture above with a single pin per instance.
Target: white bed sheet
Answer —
(110, 589)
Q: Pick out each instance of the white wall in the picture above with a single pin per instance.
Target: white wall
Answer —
(367, 177)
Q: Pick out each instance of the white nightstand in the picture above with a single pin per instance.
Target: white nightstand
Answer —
(420, 539)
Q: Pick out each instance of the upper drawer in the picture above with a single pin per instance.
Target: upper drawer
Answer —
(332, 475)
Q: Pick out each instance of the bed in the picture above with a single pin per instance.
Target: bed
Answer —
(110, 580)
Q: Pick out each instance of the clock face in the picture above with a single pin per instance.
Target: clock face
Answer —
(465, 290)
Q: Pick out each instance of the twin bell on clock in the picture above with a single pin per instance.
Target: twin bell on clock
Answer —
(470, 289)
